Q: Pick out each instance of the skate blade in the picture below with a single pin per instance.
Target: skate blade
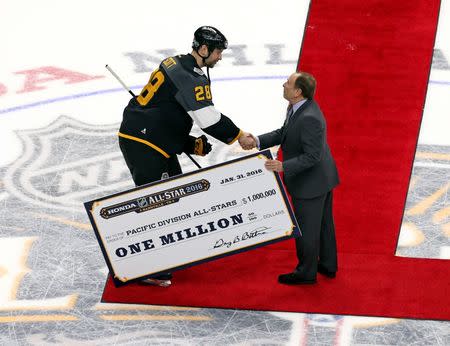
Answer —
(156, 282)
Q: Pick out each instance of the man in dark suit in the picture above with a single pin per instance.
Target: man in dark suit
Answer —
(309, 174)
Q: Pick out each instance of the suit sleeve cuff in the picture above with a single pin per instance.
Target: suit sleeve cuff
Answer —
(258, 143)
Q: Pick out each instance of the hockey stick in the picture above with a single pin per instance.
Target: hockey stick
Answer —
(119, 80)
(132, 94)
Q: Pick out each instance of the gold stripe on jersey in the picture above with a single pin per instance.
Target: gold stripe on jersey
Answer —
(235, 138)
(151, 145)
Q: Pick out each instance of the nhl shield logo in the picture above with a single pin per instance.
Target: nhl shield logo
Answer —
(67, 163)
(142, 202)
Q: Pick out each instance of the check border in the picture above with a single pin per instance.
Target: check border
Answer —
(118, 281)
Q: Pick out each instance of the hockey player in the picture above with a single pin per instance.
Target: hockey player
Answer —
(156, 124)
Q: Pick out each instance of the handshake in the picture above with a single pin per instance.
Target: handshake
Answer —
(247, 141)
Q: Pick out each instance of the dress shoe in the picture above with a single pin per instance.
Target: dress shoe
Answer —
(295, 279)
(325, 272)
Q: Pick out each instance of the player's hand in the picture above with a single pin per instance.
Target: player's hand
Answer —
(202, 146)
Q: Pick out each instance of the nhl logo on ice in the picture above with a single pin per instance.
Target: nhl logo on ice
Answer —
(66, 163)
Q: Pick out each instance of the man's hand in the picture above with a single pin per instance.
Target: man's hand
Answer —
(247, 141)
(274, 165)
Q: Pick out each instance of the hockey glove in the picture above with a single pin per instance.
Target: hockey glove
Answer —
(197, 146)
(202, 146)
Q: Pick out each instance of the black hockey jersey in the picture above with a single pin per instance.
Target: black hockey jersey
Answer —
(177, 94)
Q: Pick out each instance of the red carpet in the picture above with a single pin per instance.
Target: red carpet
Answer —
(371, 60)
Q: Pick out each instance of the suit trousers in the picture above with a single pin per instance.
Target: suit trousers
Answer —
(318, 241)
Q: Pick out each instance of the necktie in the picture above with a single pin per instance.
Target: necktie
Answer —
(290, 111)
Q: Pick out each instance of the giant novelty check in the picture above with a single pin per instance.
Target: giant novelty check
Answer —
(192, 218)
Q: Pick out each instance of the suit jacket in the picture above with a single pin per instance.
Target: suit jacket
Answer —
(309, 167)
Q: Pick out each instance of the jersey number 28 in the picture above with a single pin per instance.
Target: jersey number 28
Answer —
(202, 93)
